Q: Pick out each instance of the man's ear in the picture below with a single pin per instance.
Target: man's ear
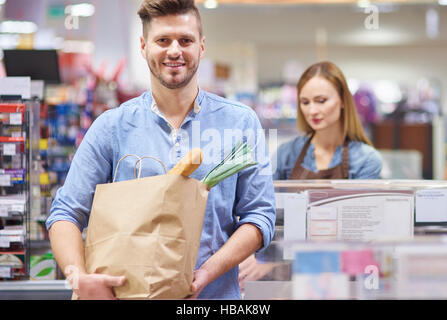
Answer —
(143, 47)
(202, 47)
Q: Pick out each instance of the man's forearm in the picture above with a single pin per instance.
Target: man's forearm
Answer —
(67, 245)
(247, 239)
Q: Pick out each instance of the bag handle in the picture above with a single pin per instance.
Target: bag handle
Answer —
(141, 162)
(135, 168)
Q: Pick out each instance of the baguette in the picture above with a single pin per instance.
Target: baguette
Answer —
(189, 163)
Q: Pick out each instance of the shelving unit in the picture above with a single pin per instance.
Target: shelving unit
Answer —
(14, 190)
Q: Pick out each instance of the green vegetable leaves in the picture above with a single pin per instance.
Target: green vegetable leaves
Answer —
(241, 157)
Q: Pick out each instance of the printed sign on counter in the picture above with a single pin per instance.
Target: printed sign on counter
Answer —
(322, 228)
(323, 213)
(431, 206)
(360, 215)
(295, 206)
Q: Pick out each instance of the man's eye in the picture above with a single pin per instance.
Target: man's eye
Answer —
(186, 41)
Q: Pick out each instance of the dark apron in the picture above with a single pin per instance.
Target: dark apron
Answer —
(339, 172)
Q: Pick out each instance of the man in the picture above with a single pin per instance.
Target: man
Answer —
(240, 213)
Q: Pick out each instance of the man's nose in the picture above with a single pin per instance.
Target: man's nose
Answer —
(174, 49)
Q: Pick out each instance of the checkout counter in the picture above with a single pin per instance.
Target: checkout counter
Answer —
(338, 239)
(361, 240)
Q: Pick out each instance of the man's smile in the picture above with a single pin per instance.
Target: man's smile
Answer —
(175, 65)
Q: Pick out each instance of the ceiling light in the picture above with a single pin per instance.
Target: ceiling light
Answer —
(2, 2)
(432, 23)
(210, 4)
(387, 91)
(24, 27)
(80, 10)
(363, 3)
(442, 2)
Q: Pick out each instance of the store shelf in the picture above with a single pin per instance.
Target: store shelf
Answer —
(12, 139)
(35, 290)
(14, 252)
(15, 144)
(12, 108)
(30, 285)
(40, 244)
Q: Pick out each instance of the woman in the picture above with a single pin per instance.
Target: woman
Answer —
(334, 145)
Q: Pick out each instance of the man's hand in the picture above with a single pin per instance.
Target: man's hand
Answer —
(250, 270)
(244, 241)
(200, 281)
(96, 286)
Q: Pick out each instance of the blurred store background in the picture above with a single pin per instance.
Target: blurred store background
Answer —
(393, 54)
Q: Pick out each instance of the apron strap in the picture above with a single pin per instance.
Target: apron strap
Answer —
(297, 168)
(299, 172)
(304, 150)
(345, 159)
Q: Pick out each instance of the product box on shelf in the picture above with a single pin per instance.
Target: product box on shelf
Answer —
(421, 271)
(318, 275)
(12, 265)
(43, 267)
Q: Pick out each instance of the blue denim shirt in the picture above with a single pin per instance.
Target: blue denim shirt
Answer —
(365, 162)
(138, 127)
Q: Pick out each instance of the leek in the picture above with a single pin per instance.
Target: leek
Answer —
(240, 157)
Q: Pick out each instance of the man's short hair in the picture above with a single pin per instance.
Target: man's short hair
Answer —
(158, 8)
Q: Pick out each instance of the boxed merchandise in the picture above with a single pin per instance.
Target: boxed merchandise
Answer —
(12, 205)
(43, 267)
(317, 274)
(360, 215)
(12, 265)
(421, 271)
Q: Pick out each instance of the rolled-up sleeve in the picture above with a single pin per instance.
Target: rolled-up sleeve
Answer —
(91, 165)
(255, 197)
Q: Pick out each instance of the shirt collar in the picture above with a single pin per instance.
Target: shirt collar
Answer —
(196, 108)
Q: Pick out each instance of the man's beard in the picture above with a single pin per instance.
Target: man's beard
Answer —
(185, 82)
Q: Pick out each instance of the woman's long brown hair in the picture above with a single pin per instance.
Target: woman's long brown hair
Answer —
(352, 127)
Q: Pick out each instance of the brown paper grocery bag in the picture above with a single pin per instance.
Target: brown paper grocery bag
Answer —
(147, 229)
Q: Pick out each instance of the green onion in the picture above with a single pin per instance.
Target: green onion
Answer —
(241, 157)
